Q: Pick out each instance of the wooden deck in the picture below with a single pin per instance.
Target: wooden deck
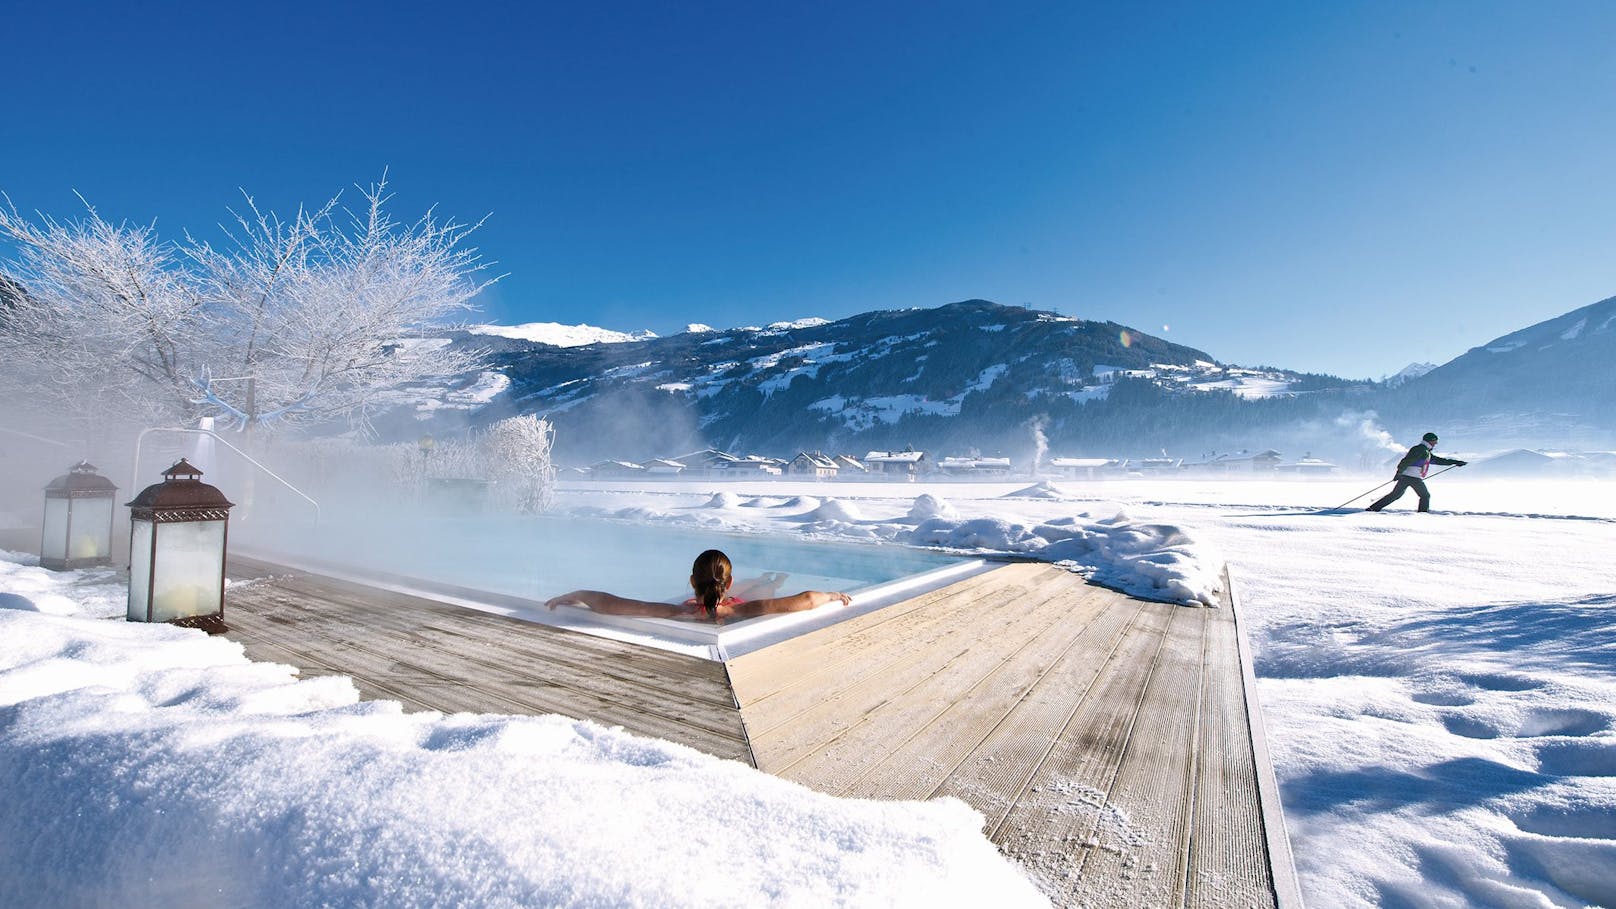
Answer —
(433, 656)
(1106, 740)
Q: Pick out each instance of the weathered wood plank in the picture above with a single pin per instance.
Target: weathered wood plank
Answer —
(1229, 860)
(1063, 804)
(535, 684)
(418, 652)
(584, 661)
(1154, 785)
(764, 673)
(1055, 613)
(788, 726)
(845, 661)
(1082, 695)
(916, 768)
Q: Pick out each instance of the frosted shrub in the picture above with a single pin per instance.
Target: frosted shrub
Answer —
(517, 451)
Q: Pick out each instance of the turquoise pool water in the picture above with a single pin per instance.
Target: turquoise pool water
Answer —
(537, 558)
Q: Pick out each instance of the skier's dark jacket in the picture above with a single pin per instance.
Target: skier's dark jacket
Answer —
(1420, 456)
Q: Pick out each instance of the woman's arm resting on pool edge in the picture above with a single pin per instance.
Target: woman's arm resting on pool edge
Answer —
(612, 604)
(797, 602)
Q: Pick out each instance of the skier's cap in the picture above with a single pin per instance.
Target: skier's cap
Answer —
(1429, 437)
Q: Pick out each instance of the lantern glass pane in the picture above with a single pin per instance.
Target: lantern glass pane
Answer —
(140, 564)
(189, 579)
(92, 529)
(54, 544)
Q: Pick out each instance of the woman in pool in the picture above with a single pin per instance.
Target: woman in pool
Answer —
(711, 578)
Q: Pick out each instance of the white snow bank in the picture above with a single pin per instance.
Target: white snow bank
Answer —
(152, 765)
(1152, 561)
(723, 500)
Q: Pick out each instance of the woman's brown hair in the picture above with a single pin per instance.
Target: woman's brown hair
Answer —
(710, 576)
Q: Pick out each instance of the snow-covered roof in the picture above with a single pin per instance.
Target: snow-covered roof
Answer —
(817, 459)
(705, 456)
(894, 457)
(968, 463)
(1081, 462)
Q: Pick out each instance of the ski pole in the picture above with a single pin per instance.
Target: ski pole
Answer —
(1361, 495)
(1388, 483)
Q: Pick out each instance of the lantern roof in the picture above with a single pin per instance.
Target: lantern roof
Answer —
(80, 479)
(182, 489)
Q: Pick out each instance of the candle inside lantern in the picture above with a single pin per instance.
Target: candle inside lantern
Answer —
(85, 546)
(181, 601)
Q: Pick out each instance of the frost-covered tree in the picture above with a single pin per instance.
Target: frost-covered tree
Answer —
(518, 453)
(313, 318)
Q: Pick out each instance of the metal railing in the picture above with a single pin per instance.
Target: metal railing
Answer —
(141, 440)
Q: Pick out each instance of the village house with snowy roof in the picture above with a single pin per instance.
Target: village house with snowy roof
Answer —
(974, 467)
(849, 465)
(1083, 468)
(1242, 461)
(663, 467)
(813, 464)
(907, 463)
(705, 463)
(605, 470)
(1306, 465)
(753, 466)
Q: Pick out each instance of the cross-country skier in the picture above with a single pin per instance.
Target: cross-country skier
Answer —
(1411, 473)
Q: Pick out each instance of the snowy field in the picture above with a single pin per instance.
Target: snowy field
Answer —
(1439, 692)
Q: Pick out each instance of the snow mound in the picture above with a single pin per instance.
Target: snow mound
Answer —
(638, 513)
(928, 506)
(807, 502)
(723, 500)
(1043, 489)
(763, 502)
(1150, 561)
(834, 510)
(161, 741)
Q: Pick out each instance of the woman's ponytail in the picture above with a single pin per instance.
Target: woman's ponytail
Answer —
(710, 576)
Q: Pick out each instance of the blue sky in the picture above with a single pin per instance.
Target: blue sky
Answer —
(1340, 188)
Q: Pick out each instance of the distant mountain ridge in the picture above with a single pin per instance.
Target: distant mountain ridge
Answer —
(968, 376)
(979, 378)
(1549, 383)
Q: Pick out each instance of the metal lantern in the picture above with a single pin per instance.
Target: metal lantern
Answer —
(177, 534)
(78, 520)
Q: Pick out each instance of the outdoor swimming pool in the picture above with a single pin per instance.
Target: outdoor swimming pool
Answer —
(512, 565)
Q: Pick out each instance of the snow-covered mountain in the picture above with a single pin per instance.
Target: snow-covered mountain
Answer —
(977, 377)
(555, 334)
(1411, 371)
(973, 376)
(1550, 382)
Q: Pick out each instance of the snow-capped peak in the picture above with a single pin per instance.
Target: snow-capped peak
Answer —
(809, 322)
(557, 335)
(1411, 371)
(697, 328)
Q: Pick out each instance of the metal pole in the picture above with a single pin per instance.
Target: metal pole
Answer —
(1388, 483)
(141, 440)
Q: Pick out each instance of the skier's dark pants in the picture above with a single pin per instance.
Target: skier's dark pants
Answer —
(1404, 484)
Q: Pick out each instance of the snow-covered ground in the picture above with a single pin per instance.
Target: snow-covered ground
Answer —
(1439, 692)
